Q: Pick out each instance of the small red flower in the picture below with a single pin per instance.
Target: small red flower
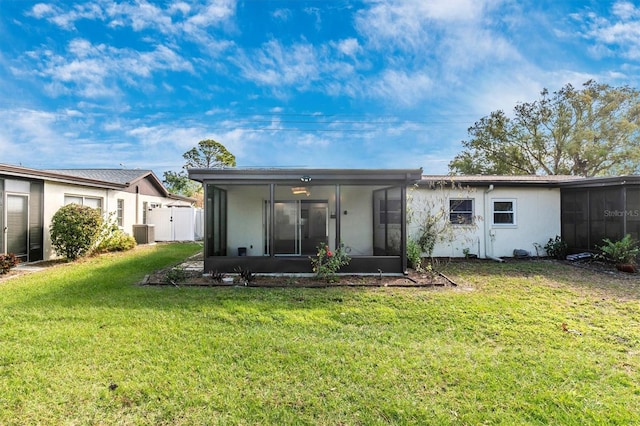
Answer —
(329, 254)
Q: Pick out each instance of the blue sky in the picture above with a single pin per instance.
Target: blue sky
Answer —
(289, 83)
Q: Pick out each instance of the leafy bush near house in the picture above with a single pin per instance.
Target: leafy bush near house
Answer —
(7, 261)
(326, 262)
(414, 254)
(74, 230)
(622, 251)
(112, 238)
(557, 247)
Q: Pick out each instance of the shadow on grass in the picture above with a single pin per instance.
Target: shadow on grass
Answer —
(112, 281)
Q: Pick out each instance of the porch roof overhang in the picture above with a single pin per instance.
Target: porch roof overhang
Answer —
(307, 176)
(603, 181)
(505, 181)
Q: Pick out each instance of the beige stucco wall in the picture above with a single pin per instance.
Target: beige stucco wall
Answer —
(537, 220)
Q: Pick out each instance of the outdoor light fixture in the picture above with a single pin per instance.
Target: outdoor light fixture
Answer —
(298, 190)
(305, 178)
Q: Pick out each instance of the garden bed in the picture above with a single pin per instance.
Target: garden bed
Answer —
(177, 277)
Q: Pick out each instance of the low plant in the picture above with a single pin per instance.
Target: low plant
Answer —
(217, 276)
(175, 275)
(624, 251)
(414, 254)
(557, 248)
(112, 238)
(246, 275)
(7, 261)
(326, 263)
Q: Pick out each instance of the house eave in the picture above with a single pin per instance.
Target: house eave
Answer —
(27, 173)
(597, 182)
(311, 176)
(505, 181)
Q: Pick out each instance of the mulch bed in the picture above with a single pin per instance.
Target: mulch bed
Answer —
(602, 268)
(195, 278)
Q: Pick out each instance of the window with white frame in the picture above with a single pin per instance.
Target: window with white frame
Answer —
(120, 213)
(504, 212)
(461, 211)
(93, 202)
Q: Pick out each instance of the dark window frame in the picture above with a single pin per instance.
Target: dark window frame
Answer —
(461, 211)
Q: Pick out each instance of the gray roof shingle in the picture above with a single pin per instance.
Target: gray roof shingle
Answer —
(118, 176)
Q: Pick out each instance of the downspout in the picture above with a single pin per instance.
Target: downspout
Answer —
(137, 202)
(487, 230)
(403, 229)
(338, 225)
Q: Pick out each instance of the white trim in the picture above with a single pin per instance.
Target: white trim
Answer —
(513, 211)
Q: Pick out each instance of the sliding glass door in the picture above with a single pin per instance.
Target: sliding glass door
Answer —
(299, 226)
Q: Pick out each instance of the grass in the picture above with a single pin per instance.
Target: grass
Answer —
(81, 344)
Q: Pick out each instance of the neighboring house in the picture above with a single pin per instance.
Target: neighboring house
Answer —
(29, 198)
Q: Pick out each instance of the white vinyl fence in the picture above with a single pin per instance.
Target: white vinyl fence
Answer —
(177, 223)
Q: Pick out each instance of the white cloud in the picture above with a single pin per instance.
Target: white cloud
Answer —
(400, 87)
(177, 17)
(348, 47)
(215, 12)
(412, 24)
(276, 65)
(93, 69)
(617, 34)
(282, 14)
(67, 19)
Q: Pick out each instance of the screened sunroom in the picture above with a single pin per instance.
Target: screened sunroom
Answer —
(598, 208)
(273, 220)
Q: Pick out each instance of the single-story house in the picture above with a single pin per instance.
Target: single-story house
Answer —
(29, 198)
(272, 220)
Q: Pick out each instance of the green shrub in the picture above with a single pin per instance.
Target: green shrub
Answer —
(112, 238)
(414, 254)
(557, 248)
(7, 261)
(74, 230)
(326, 262)
(625, 250)
(176, 274)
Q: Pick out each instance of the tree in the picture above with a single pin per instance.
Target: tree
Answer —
(179, 183)
(74, 230)
(589, 132)
(209, 154)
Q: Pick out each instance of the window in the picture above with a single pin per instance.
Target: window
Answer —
(145, 207)
(120, 213)
(390, 212)
(504, 212)
(92, 202)
(461, 211)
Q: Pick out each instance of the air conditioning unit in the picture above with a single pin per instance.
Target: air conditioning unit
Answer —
(144, 234)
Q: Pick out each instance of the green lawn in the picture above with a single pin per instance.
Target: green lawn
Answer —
(82, 344)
